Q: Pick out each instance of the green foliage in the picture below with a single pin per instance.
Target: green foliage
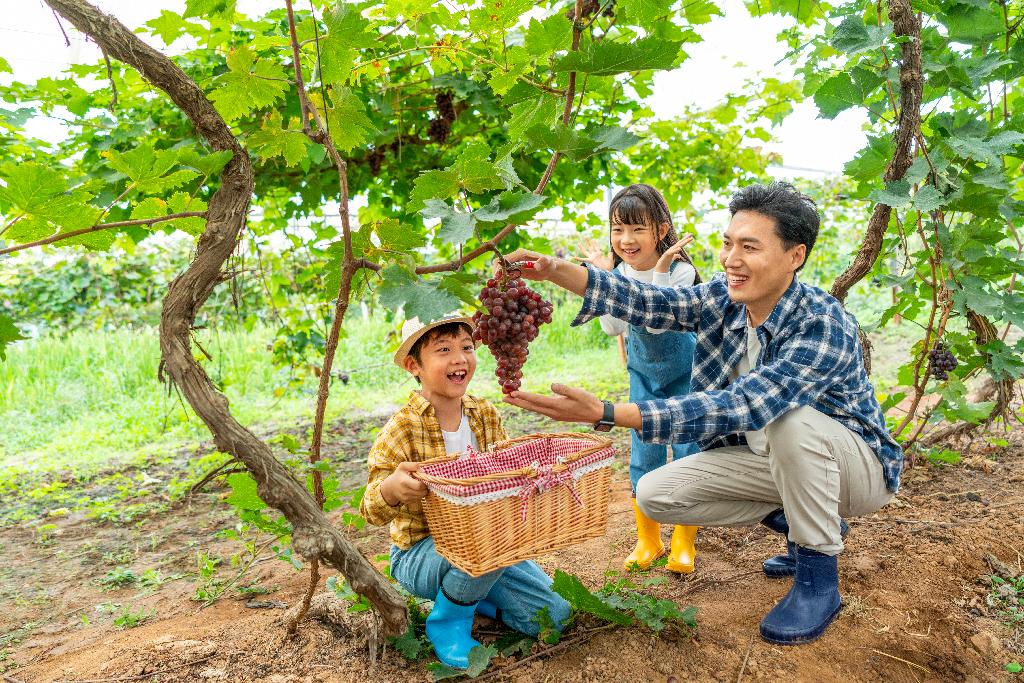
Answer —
(621, 602)
(479, 659)
(130, 617)
(118, 578)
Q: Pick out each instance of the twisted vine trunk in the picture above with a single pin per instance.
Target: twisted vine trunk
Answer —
(313, 536)
(905, 24)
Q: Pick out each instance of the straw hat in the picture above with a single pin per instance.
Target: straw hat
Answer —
(413, 329)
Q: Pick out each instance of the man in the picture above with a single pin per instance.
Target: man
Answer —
(792, 435)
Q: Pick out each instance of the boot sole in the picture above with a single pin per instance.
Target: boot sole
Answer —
(779, 573)
(802, 638)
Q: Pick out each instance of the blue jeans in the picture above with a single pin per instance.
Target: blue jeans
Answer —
(519, 591)
(659, 367)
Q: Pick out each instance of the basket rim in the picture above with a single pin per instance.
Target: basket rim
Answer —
(601, 442)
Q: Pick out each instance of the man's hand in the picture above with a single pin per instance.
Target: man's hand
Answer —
(401, 486)
(570, 404)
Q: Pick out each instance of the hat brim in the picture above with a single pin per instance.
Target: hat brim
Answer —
(403, 351)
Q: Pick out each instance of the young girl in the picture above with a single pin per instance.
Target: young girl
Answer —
(645, 247)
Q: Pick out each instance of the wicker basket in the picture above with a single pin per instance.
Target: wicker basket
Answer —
(526, 497)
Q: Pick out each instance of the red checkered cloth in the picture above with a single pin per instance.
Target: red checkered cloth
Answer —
(541, 454)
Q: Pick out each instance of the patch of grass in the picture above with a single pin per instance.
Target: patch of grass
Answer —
(118, 578)
(130, 618)
(1006, 599)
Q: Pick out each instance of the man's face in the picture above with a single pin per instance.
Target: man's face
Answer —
(758, 265)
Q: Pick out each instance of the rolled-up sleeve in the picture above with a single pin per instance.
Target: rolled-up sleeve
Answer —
(805, 368)
(638, 303)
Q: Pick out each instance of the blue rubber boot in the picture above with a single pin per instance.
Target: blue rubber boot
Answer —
(488, 609)
(449, 629)
(782, 566)
(811, 604)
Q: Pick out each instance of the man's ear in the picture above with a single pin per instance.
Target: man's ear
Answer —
(798, 254)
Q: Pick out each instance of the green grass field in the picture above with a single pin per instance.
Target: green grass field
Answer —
(88, 400)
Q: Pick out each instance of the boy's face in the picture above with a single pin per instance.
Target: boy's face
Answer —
(446, 365)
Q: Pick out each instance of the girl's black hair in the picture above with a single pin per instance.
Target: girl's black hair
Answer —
(641, 204)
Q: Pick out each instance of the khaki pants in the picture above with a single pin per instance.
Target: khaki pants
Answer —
(816, 468)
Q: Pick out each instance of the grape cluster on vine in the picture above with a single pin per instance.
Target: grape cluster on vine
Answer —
(441, 127)
(514, 314)
(942, 361)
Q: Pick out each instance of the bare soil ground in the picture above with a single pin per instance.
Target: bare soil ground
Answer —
(914, 580)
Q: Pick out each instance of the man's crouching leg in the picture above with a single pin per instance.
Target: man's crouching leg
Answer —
(822, 471)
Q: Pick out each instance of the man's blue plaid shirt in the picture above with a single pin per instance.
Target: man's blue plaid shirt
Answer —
(810, 356)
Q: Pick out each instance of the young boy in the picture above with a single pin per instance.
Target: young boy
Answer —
(438, 419)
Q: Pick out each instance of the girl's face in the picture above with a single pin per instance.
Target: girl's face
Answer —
(637, 245)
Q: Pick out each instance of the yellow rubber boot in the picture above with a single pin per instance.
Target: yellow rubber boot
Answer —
(682, 554)
(648, 542)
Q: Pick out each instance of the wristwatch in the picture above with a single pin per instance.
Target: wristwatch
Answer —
(607, 420)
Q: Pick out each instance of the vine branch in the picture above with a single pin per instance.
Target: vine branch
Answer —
(61, 236)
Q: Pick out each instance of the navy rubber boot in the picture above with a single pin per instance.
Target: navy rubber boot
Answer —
(782, 566)
(449, 629)
(811, 604)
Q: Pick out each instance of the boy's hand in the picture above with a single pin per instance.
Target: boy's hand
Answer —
(402, 487)
(672, 253)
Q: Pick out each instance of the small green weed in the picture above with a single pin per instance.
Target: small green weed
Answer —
(118, 578)
(1006, 598)
(130, 618)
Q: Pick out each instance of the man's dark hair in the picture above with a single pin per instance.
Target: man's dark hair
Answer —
(796, 215)
(447, 330)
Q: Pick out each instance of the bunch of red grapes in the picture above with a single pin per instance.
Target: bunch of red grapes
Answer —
(942, 361)
(514, 314)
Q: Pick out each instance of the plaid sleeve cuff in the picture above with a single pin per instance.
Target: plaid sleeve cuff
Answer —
(375, 509)
(595, 297)
(655, 422)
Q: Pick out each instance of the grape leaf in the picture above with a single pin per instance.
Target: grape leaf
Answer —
(41, 196)
(347, 32)
(433, 185)
(474, 171)
(644, 12)
(456, 226)
(582, 600)
(417, 297)
(248, 84)
(409, 645)
(509, 207)
(699, 12)
(609, 59)
(180, 202)
(169, 26)
(869, 164)
(846, 90)
(548, 35)
(9, 333)
(479, 658)
(542, 111)
(971, 23)
(896, 195)
(244, 495)
(5, 66)
(396, 237)
(149, 168)
(206, 8)
(853, 35)
(928, 199)
(271, 140)
(578, 145)
(987, 151)
(349, 125)
(209, 164)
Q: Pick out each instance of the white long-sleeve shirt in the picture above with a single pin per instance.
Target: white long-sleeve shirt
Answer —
(682, 275)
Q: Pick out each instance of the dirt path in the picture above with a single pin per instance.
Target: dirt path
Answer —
(914, 583)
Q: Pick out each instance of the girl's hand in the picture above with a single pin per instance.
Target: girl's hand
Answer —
(672, 253)
(537, 266)
(595, 255)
